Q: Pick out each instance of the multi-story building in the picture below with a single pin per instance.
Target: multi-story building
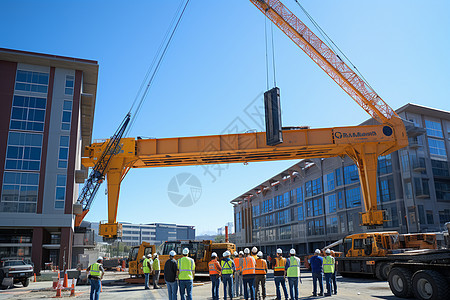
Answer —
(222, 230)
(318, 201)
(46, 116)
(154, 233)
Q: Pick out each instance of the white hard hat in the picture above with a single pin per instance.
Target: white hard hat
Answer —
(317, 251)
(327, 251)
(292, 251)
(185, 251)
(172, 253)
(260, 254)
(144, 256)
(246, 251)
(214, 254)
(279, 251)
(155, 254)
(241, 253)
(99, 258)
(235, 253)
(226, 253)
(149, 255)
(254, 249)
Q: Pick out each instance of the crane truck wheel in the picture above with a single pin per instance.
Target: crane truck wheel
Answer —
(400, 282)
(382, 270)
(429, 285)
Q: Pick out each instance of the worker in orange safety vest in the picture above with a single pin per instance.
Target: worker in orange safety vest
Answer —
(214, 273)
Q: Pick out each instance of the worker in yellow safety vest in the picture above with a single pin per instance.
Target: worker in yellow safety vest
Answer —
(147, 269)
(279, 274)
(260, 276)
(186, 274)
(328, 270)
(156, 270)
(228, 268)
(293, 274)
(96, 273)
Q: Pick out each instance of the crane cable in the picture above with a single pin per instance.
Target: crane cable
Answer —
(267, 54)
(330, 43)
(156, 63)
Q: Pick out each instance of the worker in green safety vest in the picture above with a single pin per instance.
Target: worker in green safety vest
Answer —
(293, 274)
(228, 269)
(156, 270)
(96, 273)
(328, 270)
(147, 269)
(186, 274)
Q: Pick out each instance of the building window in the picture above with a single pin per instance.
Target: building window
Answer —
(440, 168)
(386, 190)
(384, 164)
(433, 128)
(300, 213)
(299, 195)
(421, 187)
(430, 219)
(318, 206)
(255, 223)
(284, 216)
(444, 216)
(351, 174)
(238, 222)
(318, 227)
(329, 182)
(69, 85)
(437, 147)
(66, 115)
(405, 162)
(338, 177)
(285, 232)
(31, 81)
(340, 199)
(332, 224)
(255, 210)
(313, 187)
(342, 224)
(19, 192)
(442, 187)
(291, 196)
(309, 208)
(60, 191)
(28, 113)
(331, 200)
(23, 151)
(269, 220)
(63, 155)
(353, 197)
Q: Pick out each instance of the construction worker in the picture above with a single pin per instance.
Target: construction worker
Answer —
(227, 274)
(260, 276)
(238, 262)
(186, 274)
(328, 270)
(316, 263)
(147, 269)
(96, 273)
(279, 274)
(248, 274)
(293, 274)
(333, 277)
(214, 275)
(170, 275)
(156, 270)
(254, 253)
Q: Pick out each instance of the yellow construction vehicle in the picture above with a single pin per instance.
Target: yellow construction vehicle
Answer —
(364, 144)
(136, 258)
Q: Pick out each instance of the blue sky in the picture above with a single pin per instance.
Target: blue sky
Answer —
(215, 69)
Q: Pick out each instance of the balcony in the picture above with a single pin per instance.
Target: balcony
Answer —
(418, 165)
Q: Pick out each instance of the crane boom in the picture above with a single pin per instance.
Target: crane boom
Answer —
(323, 56)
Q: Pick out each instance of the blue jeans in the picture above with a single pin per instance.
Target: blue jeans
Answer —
(333, 281)
(215, 280)
(280, 280)
(237, 284)
(249, 287)
(227, 281)
(95, 289)
(317, 277)
(293, 287)
(172, 289)
(147, 276)
(328, 282)
(186, 287)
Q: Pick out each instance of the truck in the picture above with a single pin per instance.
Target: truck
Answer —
(372, 253)
(14, 270)
(425, 274)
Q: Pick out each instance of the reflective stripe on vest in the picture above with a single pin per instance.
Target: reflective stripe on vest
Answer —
(212, 268)
(226, 267)
(145, 267)
(186, 266)
(261, 266)
(248, 266)
(328, 264)
(237, 265)
(293, 270)
(95, 270)
(280, 264)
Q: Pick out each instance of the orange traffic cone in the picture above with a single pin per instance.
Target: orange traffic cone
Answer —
(65, 280)
(35, 277)
(58, 292)
(72, 292)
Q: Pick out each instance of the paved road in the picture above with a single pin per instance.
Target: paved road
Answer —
(348, 289)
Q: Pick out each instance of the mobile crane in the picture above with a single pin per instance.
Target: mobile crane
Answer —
(361, 143)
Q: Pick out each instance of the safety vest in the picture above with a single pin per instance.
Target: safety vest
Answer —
(248, 267)
(145, 267)
(226, 267)
(237, 265)
(261, 267)
(293, 270)
(95, 270)
(156, 265)
(186, 266)
(213, 269)
(328, 264)
(280, 263)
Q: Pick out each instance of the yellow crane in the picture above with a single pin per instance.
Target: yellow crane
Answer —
(363, 144)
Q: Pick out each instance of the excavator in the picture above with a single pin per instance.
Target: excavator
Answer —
(363, 144)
